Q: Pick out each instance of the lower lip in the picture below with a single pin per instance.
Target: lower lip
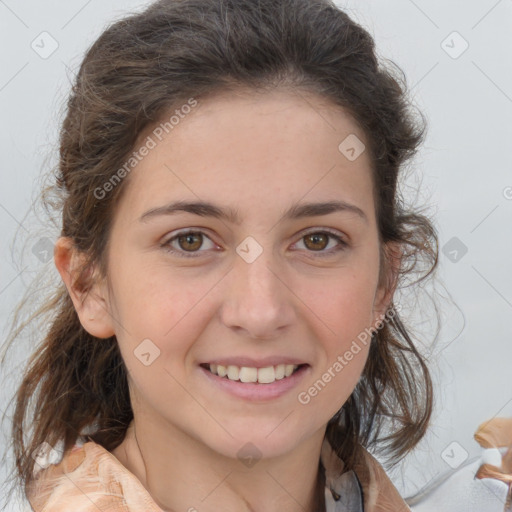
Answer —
(255, 391)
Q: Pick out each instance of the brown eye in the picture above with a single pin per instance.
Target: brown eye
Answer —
(188, 244)
(190, 241)
(324, 243)
(318, 241)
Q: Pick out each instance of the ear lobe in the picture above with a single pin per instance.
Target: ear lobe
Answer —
(91, 302)
(386, 291)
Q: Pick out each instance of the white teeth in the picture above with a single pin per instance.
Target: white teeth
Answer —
(279, 371)
(248, 374)
(265, 375)
(233, 372)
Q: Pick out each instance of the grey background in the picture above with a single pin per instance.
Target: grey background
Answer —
(463, 174)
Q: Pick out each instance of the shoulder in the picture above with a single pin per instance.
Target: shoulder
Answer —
(88, 478)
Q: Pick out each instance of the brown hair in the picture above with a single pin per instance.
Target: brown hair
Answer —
(142, 67)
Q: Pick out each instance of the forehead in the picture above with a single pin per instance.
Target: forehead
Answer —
(239, 147)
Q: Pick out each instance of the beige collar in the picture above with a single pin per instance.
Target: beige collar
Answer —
(379, 493)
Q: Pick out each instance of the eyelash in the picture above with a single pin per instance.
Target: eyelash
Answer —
(194, 254)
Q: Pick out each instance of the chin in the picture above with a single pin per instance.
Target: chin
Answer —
(256, 441)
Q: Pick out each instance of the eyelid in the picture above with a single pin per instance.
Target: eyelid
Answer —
(329, 231)
(341, 239)
(166, 245)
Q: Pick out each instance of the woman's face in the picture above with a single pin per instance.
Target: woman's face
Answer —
(262, 282)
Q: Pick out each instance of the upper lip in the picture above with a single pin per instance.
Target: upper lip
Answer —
(256, 363)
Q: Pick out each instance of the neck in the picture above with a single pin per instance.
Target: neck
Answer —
(181, 473)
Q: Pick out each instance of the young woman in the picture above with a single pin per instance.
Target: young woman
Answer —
(224, 336)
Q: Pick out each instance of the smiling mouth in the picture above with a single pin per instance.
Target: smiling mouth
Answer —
(266, 375)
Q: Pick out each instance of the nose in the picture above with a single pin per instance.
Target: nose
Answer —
(257, 302)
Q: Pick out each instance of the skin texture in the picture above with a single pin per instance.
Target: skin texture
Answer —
(257, 154)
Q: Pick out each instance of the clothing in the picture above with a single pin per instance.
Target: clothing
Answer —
(494, 435)
(89, 478)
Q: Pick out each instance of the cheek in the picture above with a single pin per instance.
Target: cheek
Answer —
(152, 295)
(164, 306)
(342, 302)
(343, 311)
(332, 383)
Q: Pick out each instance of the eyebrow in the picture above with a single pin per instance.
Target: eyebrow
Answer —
(297, 211)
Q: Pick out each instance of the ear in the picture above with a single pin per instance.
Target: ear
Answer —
(384, 295)
(92, 303)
